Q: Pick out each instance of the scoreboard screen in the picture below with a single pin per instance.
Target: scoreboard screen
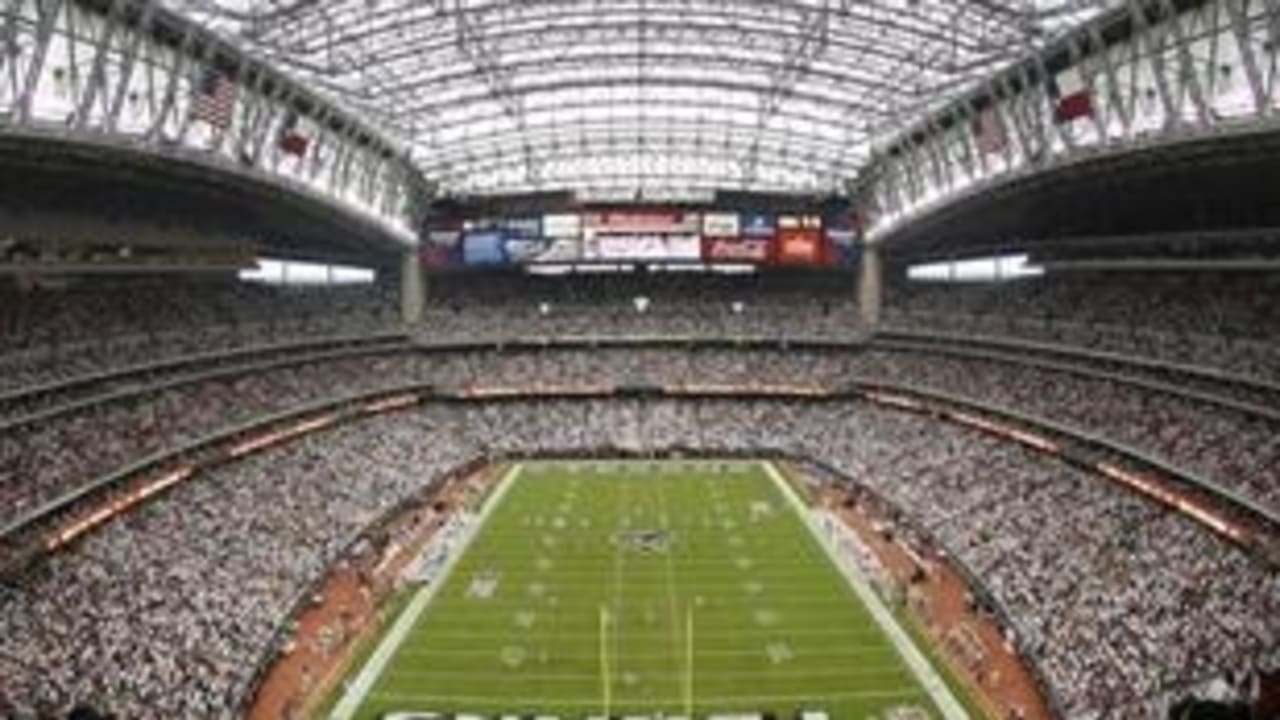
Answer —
(645, 236)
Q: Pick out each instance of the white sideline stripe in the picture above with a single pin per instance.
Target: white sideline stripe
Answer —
(915, 660)
(377, 664)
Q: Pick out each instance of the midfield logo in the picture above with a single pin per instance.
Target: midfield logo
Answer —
(645, 541)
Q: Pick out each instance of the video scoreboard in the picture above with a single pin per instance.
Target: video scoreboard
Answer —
(644, 237)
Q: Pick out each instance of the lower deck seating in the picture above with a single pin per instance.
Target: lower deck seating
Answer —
(165, 613)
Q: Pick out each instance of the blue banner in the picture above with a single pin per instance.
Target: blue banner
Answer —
(845, 249)
(483, 248)
(759, 225)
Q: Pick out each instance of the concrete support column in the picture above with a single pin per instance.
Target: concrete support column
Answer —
(871, 287)
(412, 296)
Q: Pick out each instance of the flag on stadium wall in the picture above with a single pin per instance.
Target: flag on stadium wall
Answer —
(215, 99)
(1071, 98)
(292, 140)
(989, 131)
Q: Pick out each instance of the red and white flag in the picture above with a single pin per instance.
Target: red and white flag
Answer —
(1072, 99)
(294, 139)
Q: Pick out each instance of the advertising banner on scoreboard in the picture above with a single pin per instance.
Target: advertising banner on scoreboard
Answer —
(649, 222)
(721, 225)
(529, 227)
(664, 248)
(735, 250)
(759, 225)
(800, 248)
(483, 248)
(842, 245)
(536, 251)
(490, 249)
(799, 222)
(562, 226)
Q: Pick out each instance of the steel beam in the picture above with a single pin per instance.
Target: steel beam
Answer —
(101, 49)
(47, 17)
(140, 32)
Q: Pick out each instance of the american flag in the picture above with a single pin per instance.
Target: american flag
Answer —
(215, 98)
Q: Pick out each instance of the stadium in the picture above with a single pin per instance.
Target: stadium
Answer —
(684, 359)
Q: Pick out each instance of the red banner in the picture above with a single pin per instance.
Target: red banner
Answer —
(726, 249)
(800, 247)
(652, 222)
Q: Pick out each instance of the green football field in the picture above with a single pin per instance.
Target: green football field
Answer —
(639, 588)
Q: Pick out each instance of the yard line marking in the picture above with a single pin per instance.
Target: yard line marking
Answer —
(861, 672)
(791, 599)
(377, 664)
(641, 575)
(834, 651)
(915, 660)
(579, 701)
(728, 633)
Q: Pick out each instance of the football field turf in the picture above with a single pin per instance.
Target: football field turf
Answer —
(642, 588)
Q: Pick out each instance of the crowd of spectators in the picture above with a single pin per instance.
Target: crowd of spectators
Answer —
(49, 335)
(165, 613)
(1228, 321)
(1117, 601)
(53, 334)
(674, 304)
(42, 460)
(1232, 448)
(1223, 322)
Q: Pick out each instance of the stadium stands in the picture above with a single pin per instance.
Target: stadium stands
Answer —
(164, 614)
(1141, 604)
(674, 226)
(1236, 449)
(52, 334)
(672, 304)
(1224, 321)
(57, 451)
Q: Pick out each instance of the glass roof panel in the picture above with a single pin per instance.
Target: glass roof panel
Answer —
(652, 96)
